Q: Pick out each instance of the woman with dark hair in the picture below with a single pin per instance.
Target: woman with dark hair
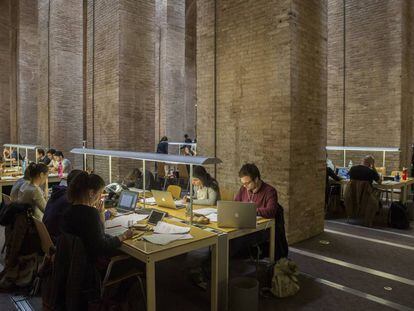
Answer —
(30, 192)
(206, 188)
(85, 217)
(162, 146)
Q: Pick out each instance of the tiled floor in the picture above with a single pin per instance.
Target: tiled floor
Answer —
(345, 268)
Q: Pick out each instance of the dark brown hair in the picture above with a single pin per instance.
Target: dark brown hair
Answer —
(33, 170)
(82, 183)
(251, 170)
(208, 181)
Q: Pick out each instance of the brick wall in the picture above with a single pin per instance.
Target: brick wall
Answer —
(270, 99)
(378, 111)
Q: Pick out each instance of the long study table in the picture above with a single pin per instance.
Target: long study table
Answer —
(224, 237)
(150, 254)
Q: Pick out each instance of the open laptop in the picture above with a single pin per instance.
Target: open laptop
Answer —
(127, 202)
(233, 214)
(165, 199)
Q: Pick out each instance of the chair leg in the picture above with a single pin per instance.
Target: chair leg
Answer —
(141, 285)
(3, 248)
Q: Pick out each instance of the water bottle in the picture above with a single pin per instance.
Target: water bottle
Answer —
(404, 173)
(60, 170)
(397, 177)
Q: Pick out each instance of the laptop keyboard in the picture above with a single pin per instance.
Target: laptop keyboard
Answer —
(143, 211)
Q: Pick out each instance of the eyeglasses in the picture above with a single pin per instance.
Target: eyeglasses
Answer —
(245, 184)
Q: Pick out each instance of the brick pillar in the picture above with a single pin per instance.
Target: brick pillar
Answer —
(65, 76)
(120, 91)
(371, 105)
(270, 99)
(172, 114)
(7, 69)
(43, 82)
(27, 72)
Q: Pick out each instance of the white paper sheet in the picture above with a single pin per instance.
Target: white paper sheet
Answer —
(149, 201)
(123, 220)
(163, 227)
(205, 211)
(164, 239)
(212, 217)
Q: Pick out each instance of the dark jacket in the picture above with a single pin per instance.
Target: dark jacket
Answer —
(84, 222)
(162, 147)
(56, 207)
(73, 280)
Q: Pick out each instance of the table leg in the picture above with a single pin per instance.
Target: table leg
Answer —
(214, 278)
(272, 242)
(1, 193)
(404, 194)
(392, 194)
(150, 278)
(223, 271)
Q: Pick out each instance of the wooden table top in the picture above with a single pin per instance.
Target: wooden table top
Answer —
(180, 214)
(150, 248)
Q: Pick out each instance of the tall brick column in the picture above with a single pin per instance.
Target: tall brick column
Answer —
(370, 90)
(120, 91)
(6, 66)
(269, 75)
(174, 110)
(27, 72)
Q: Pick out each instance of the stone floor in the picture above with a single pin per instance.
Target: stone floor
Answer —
(347, 267)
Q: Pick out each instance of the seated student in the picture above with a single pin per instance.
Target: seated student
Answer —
(52, 163)
(84, 217)
(30, 191)
(136, 180)
(56, 207)
(41, 157)
(365, 171)
(11, 154)
(66, 164)
(330, 174)
(18, 184)
(265, 196)
(206, 188)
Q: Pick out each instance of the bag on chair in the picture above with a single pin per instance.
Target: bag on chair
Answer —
(398, 216)
(285, 282)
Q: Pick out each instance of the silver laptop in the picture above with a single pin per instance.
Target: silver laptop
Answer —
(165, 199)
(233, 214)
(127, 202)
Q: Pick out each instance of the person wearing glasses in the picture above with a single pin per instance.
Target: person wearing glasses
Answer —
(255, 190)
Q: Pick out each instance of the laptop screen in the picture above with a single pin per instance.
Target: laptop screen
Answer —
(128, 200)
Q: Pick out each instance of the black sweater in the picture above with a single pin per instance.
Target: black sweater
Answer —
(84, 222)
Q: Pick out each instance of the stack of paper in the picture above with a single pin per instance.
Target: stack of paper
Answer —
(205, 211)
(166, 228)
(212, 217)
(123, 220)
(149, 201)
(164, 239)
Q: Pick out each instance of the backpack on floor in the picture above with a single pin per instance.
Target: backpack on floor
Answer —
(398, 216)
(285, 282)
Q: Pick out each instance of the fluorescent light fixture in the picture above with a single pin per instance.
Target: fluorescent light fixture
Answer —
(343, 148)
(148, 156)
(182, 144)
(29, 147)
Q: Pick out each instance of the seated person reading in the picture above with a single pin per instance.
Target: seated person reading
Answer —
(206, 188)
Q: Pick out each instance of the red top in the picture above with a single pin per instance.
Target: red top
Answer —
(265, 199)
